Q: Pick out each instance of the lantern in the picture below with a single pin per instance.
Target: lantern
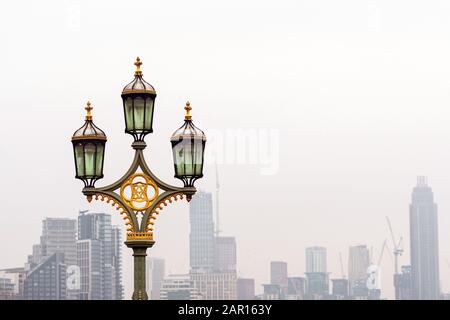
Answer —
(138, 104)
(89, 151)
(188, 146)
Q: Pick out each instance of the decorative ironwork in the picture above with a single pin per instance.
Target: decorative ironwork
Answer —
(171, 197)
(138, 187)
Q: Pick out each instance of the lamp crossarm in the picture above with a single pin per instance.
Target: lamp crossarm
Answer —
(168, 194)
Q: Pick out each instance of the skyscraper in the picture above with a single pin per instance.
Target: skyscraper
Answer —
(403, 284)
(279, 276)
(245, 289)
(47, 281)
(116, 242)
(155, 276)
(59, 235)
(179, 287)
(317, 285)
(225, 254)
(358, 262)
(316, 259)
(98, 251)
(423, 221)
(201, 237)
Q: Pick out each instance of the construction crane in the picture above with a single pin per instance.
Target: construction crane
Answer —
(342, 266)
(398, 246)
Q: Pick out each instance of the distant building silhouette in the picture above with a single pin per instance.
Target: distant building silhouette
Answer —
(404, 284)
(296, 288)
(98, 251)
(155, 277)
(316, 259)
(225, 254)
(317, 285)
(201, 237)
(179, 287)
(423, 221)
(358, 262)
(245, 289)
(47, 281)
(279, 276)
(340, 289)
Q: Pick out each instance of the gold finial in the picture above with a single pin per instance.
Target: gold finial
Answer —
(138, 65)
(188, 109)
(88, 108)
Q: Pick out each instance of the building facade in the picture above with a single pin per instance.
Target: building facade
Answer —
(423, 220)
(316, 259)
(201, 236)
(99, 257)
(245, 289)
(225, 254)
(358, 262)
(215, 286)
(155, 277)
(179, 287)
(279, 276)
(47, 281)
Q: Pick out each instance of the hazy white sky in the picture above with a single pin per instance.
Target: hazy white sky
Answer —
(358, 93)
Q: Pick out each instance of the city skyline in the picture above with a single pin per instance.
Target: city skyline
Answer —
(355, 106)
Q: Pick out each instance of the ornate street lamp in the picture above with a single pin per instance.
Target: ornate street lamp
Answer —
(139, 195)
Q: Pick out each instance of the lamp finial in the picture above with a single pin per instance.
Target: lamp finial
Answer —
(138, 65)
(88, 109)
(188, 109)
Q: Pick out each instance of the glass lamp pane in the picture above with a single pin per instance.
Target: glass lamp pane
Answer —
(79, 160)
(99, 160)
(178, 156)
(129, 113)
(139, 105)
(148, 113)
(188, 159)
(89, 159)
(198, 157)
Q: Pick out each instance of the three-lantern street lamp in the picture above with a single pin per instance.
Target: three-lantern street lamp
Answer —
(139, 195)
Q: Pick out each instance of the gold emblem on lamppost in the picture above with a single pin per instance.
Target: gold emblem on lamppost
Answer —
(139, 191)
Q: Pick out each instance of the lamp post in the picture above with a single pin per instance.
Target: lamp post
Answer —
(139, 195)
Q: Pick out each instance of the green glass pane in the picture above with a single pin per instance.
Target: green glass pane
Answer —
(139, 113)
(188, 157)
(198, 157)
(99, 160)
(89, 159)
(148, 113)
(129, 113)
(79, 160)
(178, 156)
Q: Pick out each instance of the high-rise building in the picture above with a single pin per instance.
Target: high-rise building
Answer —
(225, 254)
(279, 276)
(215, 286)
(116, 242)
(47, 281)
(155, 276)
(98, 251)
(403, 284)
(358, 262)
(340, 289)
(316, 259)
(317, 285)
(272, 292)
(59, 235)
(245, 289)
(423, 221)
(6, 289)
(201, 237)
(296, 288)
(17, 278)
(179, 287)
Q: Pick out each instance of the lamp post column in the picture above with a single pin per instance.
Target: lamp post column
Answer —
(139, 253)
